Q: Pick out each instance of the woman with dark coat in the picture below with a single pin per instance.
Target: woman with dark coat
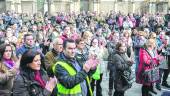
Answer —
(32, 79)
(8, 69)
(122, 64)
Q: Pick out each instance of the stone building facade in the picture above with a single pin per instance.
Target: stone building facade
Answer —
(52, 6)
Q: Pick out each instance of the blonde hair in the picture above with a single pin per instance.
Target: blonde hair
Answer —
(143, 33)
(126, 32)
(87, 34)
(151, 35)
(150, 42)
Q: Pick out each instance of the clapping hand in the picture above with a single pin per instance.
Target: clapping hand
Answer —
(95, 62)
(50, 85)
(91, 63)
(17, 63)
(87, 66)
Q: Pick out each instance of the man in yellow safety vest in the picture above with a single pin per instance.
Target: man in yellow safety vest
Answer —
(73, 77)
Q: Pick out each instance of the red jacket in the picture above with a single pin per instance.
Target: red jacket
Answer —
(144, 58)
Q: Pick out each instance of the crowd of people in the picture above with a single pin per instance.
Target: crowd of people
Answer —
(67, 54)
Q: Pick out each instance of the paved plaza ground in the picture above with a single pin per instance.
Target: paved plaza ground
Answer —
(134, 91)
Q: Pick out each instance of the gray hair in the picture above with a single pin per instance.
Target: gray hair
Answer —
(56, 40)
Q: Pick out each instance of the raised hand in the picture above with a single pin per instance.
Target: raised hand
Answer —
(50, 85)
(87, 65)
(92, 62)
(95, 63)
(17, 63)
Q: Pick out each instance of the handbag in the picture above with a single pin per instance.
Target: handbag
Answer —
(124, 81)
(127, 76)
(151, 75)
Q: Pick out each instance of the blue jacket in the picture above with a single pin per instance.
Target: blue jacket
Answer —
(24, 48)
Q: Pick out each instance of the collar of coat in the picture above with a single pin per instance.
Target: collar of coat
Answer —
(29, 74)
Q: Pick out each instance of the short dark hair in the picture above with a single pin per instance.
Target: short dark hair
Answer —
(27, 58)
(118, 45)
(79, 40)
(26, 35)
(67, 41)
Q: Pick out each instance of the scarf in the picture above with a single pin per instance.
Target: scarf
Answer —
(39, 79)
(9, 63)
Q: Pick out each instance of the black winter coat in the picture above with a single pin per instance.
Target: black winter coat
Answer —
(121, 65)
(26, 86)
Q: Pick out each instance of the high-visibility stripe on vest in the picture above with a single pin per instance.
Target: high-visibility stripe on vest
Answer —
(76, 90)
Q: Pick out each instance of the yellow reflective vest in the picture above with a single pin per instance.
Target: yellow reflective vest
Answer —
(76, 90)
